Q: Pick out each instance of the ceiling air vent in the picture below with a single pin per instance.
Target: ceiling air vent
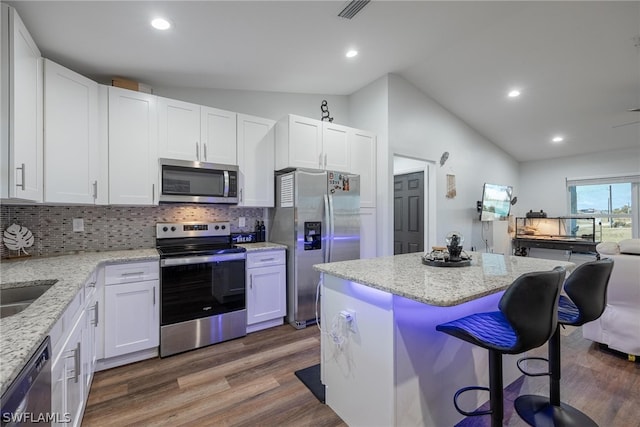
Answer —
(353, 8)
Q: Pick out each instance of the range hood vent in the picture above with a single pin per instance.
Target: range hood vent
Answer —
(353, 8)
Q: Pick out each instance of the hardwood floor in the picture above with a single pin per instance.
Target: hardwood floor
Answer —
(245, 382)
(603, 385)
(250, 382)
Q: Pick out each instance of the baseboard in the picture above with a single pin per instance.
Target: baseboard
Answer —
(125, 359)
(264, 325)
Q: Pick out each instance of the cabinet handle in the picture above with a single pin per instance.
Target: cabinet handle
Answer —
(241, 194)
(91, 284)
(153, 194)
(197, 151)
(154, 296)
(76, 363)
(266, 259)
(95, 189)
(133, 273)
(24, 175)
(325, 160)
(205, 151)
(96, 312)
(250, 281)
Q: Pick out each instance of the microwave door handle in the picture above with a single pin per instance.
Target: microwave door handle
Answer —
(226, 183)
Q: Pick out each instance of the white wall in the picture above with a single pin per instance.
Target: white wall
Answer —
(543, 182)
(368, 110)
(421, 128)
(270, 105)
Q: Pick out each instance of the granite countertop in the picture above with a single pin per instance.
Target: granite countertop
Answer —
(406, 276)
(261, 246)
(22, 333)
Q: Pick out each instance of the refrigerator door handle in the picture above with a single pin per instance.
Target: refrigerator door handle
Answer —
(327, 220)
(331, 226)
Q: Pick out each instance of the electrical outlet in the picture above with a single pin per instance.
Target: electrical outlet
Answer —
(349, 317)
(242, 221)
(78, 224)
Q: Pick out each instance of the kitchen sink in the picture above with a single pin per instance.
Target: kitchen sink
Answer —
(7, 310)
(14, 300)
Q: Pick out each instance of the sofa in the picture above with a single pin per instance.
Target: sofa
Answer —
(619, 325)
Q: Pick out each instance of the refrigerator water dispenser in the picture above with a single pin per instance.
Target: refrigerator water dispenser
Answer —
(312, 236)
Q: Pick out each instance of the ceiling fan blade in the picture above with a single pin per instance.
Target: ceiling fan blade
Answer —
(631, 110)
(626, 124)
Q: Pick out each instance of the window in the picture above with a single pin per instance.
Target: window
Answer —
(613, 201)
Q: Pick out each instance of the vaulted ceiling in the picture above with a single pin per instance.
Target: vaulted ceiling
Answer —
(576, 64)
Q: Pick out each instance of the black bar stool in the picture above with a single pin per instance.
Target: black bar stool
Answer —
(587, 291)
(526, 320)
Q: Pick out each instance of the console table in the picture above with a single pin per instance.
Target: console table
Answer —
(522, 245)
(575, 234)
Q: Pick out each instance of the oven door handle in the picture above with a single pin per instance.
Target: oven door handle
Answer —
(171, 262)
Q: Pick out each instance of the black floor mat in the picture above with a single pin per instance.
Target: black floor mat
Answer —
(311, 378)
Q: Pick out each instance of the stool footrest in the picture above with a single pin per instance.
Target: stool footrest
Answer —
(532, 374)
(467, 413)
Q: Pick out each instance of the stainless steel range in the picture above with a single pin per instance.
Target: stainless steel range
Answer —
(202, 286)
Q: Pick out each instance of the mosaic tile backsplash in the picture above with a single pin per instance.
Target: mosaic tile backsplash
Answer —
(110, 227)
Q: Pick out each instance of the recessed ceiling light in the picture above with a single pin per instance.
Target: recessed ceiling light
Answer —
(557, 139)
(513, 93)
(351, 53)
(160, 24)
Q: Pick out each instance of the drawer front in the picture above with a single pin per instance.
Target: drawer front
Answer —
(131, 272)
(265, 258)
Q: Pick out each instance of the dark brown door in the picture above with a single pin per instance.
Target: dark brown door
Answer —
(408, 213)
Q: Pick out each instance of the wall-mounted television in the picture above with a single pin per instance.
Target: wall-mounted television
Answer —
(496, 202)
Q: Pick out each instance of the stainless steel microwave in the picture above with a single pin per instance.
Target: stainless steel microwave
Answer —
(198, 182)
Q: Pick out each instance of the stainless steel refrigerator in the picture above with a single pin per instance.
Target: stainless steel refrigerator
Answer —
(317, 216)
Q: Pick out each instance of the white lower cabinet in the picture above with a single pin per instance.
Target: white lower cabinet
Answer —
(90, 337)
(131, 308)
(266, 289)
(67, 379)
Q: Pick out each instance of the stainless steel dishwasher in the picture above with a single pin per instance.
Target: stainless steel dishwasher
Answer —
(27, 401)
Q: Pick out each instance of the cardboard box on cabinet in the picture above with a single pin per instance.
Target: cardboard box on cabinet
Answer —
(131, 85)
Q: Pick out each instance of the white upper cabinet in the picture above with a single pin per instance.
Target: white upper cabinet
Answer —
(308, 143)
(299, 143)
(71, 137)
(363, 162)
(195, 132)
(335, 147)
(218, 133)
(179, 130)
(133, 147)
(256, 139)
(22, 168)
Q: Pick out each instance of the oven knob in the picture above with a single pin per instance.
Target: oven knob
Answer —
(217, 227)
(165, 229)
(224, 226)
(173, 229)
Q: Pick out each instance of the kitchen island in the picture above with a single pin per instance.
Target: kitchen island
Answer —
(388, 365)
